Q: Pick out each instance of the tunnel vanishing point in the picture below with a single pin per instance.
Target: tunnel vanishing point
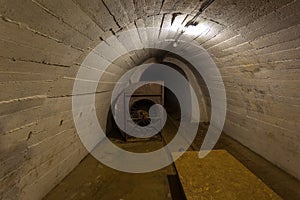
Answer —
(240, 59)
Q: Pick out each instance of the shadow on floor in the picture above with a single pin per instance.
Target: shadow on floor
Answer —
(92, 180)
(175, 188)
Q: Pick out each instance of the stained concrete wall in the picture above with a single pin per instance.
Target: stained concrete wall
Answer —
(254, 43)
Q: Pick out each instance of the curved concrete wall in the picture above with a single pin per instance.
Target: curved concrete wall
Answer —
(254, 43)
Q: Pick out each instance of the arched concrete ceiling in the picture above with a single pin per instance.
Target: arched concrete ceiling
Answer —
(255, 44)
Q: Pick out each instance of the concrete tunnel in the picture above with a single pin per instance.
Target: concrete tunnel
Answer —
(44, 44)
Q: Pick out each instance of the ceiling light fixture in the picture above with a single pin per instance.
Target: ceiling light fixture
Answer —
(192, 27)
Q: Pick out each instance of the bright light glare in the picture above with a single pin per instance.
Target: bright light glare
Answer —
(197, 30)
(176, 25)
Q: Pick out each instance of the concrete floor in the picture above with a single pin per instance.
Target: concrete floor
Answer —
(93, 180)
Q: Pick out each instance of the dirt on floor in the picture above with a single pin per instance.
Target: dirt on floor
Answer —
(93, 180)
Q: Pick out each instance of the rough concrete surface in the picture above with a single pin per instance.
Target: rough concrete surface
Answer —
(93, 180)
(255, 44)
